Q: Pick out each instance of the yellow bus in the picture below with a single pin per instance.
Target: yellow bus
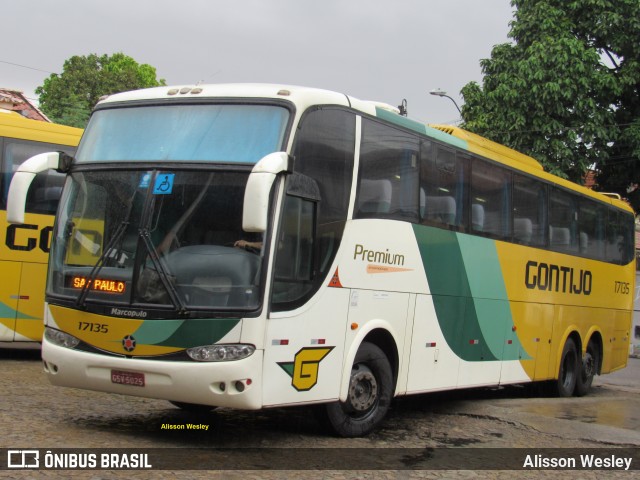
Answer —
(256, 246)
(25, 248)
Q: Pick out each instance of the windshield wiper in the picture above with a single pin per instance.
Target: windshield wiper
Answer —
(100, 263)
(162, 272)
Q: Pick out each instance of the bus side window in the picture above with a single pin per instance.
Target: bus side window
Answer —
(620, 237)
(490, 192)
(529, 211)
(294, 269)
(591, 228)
(563, 216)
(388, 174)
(443, 186)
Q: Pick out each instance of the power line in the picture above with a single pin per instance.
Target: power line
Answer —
(25, 66)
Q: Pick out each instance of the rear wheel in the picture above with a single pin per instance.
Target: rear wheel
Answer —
(369, 396)
(588, 369)
(569, 370)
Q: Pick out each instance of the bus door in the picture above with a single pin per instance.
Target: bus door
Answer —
(305, 331)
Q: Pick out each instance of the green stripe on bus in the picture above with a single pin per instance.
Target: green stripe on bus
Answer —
(183, 333)
(420, 128)
(7, 312)
(196, 332)
(469, 294)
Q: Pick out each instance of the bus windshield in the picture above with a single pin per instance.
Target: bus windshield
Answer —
(201, 133)
(155, 238)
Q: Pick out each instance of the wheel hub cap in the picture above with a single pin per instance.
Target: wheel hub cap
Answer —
(363, 389)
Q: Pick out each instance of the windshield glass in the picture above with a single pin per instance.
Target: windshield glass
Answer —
(155, 238)
(193, 133)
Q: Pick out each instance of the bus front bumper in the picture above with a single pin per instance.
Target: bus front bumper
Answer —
(234, 384)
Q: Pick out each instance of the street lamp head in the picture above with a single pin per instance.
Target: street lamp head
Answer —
(438, 92)
(442, 93)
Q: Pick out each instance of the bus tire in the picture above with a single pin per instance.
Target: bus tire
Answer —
(369, 396)
(588, 369)
(569, 370)
(192, 407)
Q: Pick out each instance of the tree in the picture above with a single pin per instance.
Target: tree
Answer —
(566, 90)
(69, 97)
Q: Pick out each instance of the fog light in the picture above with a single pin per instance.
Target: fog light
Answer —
(61, 339)
(220, 353)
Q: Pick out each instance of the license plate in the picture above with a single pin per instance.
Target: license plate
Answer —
(127, 378)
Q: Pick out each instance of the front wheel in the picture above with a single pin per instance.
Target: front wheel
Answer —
(588, 369)
(369, 396)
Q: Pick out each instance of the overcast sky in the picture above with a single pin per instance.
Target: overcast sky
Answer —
(383, 50)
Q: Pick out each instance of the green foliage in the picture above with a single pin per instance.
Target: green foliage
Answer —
(69, 97)
(567, 89)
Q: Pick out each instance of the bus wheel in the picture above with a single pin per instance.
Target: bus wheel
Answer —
(588, 369)
(569, 370)
(369, 396)
(193, 407)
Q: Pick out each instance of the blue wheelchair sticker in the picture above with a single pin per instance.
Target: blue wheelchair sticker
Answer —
(164, 184)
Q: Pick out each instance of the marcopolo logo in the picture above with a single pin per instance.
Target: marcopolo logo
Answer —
(128, 313)
(129, 343)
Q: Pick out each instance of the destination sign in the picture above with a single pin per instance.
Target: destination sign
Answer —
(98, 285)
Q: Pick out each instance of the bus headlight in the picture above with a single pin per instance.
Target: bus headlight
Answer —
(220, 353)
(60, 339)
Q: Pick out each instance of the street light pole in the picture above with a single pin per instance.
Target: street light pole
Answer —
(441, 93)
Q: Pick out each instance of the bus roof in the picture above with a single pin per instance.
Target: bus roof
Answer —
(14, 125)
(304, 97)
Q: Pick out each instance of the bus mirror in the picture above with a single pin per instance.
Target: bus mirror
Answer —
(255, 211)
(17, 198)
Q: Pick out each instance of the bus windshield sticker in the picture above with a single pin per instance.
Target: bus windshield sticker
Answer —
(164, 184)
(144, 181)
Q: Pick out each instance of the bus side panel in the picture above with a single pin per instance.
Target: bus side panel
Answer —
(384, 310)
(9, 292)
(29, 322)
(304, 350)
(554, 295)
(433, 365)
(23, 255)
(534, 329)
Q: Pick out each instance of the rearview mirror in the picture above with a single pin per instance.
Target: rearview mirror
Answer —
(255, 211)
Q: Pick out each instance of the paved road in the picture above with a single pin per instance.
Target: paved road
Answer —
(35, 414)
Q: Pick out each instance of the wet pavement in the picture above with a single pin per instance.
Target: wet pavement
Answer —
(35, 414)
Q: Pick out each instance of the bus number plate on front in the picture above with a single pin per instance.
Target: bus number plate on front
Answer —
(127, 378)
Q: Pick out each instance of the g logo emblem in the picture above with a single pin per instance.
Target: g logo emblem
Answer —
(305, 367)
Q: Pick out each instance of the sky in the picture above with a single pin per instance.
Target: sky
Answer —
(383, 50)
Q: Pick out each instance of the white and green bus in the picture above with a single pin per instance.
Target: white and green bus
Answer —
(255, 246)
